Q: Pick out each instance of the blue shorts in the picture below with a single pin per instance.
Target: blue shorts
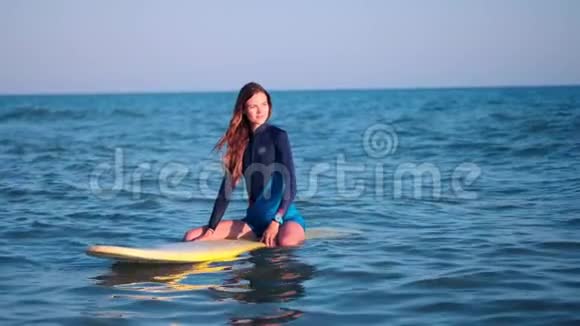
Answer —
(259, 221)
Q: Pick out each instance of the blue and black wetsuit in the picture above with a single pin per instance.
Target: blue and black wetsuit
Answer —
(268, 170)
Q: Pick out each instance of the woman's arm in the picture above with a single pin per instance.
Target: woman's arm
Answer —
(221, 202)
(284, 157)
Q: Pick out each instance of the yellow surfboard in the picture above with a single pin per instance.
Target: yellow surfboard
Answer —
(192, 252)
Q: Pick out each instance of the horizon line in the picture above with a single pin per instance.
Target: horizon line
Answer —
(283, 90)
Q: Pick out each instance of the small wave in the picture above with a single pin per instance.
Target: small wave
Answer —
(571, 271)
(512, 251)
(576, 123)
(34, 114)
(573, 222)
(534, 151)
(20, 193)
(495, 102)
(127, 113)
(502, 117)
(16, 260)
(440, 307)
(147, 204)
(42, 158)
(459, 282)
(534, 305)
(537, 126)
(560, 245)
(500, 319)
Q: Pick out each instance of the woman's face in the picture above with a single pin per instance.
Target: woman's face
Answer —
(257, 109)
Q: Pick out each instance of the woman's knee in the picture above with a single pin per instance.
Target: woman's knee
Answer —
(289, 241)
(291, 234)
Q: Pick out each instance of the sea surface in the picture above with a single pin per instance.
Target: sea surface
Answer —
(462, 206)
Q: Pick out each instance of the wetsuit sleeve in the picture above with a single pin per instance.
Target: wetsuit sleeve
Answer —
(221, 202)
(284, 157)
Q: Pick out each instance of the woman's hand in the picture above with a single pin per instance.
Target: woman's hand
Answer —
(206, 235)
(271, 233)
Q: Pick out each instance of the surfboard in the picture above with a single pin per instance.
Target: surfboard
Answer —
(192, 252)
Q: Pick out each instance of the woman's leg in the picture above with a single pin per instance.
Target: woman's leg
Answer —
(232, 229)
(290, 234)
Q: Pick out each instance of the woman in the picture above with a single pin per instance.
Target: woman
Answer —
(260, 152)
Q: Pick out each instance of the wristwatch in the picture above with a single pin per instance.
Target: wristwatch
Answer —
(278, 218)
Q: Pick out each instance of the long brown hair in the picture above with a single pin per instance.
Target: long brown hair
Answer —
(237, 135)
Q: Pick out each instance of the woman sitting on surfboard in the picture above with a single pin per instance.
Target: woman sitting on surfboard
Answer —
(261, 153)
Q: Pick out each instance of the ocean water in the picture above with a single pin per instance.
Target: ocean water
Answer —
(465, 207)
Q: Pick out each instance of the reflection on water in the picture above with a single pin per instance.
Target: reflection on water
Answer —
(156, 278)
(262, 276)
(284, 316)
(275, 275)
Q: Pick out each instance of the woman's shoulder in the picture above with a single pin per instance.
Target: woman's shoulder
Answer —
(275, 130)
(277, 133)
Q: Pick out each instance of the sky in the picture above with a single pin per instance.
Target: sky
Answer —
(81, 46)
